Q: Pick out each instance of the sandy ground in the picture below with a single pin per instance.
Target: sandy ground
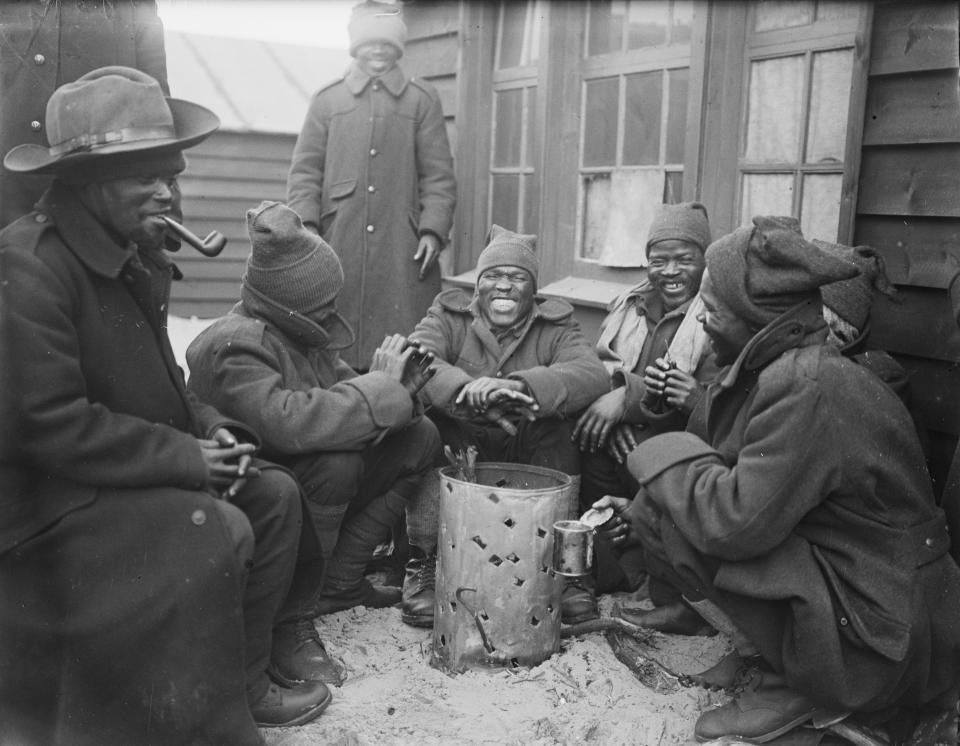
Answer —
(581, 695)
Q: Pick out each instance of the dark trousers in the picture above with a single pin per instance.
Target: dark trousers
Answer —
(543, 442)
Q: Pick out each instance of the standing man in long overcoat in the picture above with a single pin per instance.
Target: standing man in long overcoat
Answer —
(46, 44)
(372, 173)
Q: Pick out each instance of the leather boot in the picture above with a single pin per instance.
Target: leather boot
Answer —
(578, 601)
(676, 619)
(419, 588)
(298, 655)
(732, 672)
(345, 585)
(758, 714)
(281, 707)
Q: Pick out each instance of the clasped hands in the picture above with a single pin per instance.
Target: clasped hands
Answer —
(227, 463)
(493, 399)
(404, 361)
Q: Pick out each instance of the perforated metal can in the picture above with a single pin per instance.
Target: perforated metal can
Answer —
(497, 596)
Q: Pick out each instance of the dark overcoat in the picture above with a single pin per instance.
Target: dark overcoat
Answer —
(98, 450)
(800, 494)
(372, 171)
(46, 43)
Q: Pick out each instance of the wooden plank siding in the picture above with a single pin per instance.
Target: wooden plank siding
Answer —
(909, 198)
(225, 176)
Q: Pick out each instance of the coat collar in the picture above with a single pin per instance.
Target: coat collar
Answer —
(394, 81)
(799, 326)
(648, 302)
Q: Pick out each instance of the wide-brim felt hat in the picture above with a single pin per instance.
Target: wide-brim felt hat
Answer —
(111, 111)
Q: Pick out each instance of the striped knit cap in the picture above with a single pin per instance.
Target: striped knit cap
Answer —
(288, 264)
(508, 249)
(686, 221)
(763, 270)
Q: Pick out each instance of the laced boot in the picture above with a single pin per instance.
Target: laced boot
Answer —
(298, 655)
(759, 713)
(578, 601)
(419, 588)
(345, 585)
(281, 707)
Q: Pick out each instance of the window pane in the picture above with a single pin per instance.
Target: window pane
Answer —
(617, 212)
(773, 14)
(531, 203)
(647, 23)
(682, 22)
(820, 214)
(673, 188)
(766, 194)
(533, 133)
(513, 16)
(832, 10)
(509, 108)
(600, 123)
(506, 195)
(677, 114)
(773, 121)
(606, 26)
(641, 133)
(829, 100)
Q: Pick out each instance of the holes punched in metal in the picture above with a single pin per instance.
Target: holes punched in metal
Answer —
(509, 523)
(479, 542)
(495, 560)
(493, 497)
(513, 558)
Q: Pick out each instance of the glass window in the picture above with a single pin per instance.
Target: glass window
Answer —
(641, 121)
(820, 212)
(775, 108)
(776, 14)
(600, 122)
(766, 194)
(519, 37)
(829, 101)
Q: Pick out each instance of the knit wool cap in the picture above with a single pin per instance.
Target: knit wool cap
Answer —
(288, 264)
(686, 221)
(763, 270)
(508, 249)
(852, 299)
(376, 21)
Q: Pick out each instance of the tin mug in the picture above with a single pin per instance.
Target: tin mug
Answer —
(572, 548)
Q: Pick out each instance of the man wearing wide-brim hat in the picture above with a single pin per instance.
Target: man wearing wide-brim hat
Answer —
(796, 513)
(144, 555)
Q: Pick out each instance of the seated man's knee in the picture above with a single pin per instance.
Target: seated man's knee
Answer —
(239, 530)
(278, 489)
(330, 478)
(425, 443)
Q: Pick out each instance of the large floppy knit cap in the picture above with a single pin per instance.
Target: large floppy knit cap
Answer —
(372, 21)
(852, 299)
(289, 264)
(508, 249)
(763, 270)
(686, 221)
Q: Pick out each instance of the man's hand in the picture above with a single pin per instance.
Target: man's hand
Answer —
(675, 387)
(428, 250)
(617, 530)
(392, 356)
(227, 462)
(418, 370)
(621, 442)
(476, 395)
(594, 425)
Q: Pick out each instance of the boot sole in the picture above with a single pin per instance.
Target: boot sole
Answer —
(417, 621)
(764, 737)
(278, 678)
(304, 717)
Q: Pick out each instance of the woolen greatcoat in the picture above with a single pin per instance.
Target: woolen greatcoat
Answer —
(798, 500)
(372, 171)
(122, 615)
(549, 354)
(46, 43)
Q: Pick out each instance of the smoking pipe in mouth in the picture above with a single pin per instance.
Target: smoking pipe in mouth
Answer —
(210, 246)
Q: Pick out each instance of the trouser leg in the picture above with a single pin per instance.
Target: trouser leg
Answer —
(271, 504)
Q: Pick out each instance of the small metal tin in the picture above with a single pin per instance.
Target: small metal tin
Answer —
(597, 517)
(572, 548)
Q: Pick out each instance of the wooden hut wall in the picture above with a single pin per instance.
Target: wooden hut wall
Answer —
(909, 199)
(226, 175)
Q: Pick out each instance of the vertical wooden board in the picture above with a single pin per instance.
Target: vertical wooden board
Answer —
(916, 250)
(921, 325)
(446, 86)
(433, 57)
(913, 108)
(914, 36)
(905, 180)
(431, 18)
(934, 392)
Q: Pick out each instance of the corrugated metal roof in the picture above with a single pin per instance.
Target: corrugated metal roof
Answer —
(251, 85)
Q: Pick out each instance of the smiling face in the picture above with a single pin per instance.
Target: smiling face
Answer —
(504, 295)
(728, 333)
(675, 269)
(377, 58)
(132, 207)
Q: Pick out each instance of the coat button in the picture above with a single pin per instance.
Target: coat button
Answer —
(370, 229)
(39, 59)
(376, 86)
(928, 542)
(371, 188)
(35, 125)
(41, 218)
(373, 151)
(198, 517)
(843, 621)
